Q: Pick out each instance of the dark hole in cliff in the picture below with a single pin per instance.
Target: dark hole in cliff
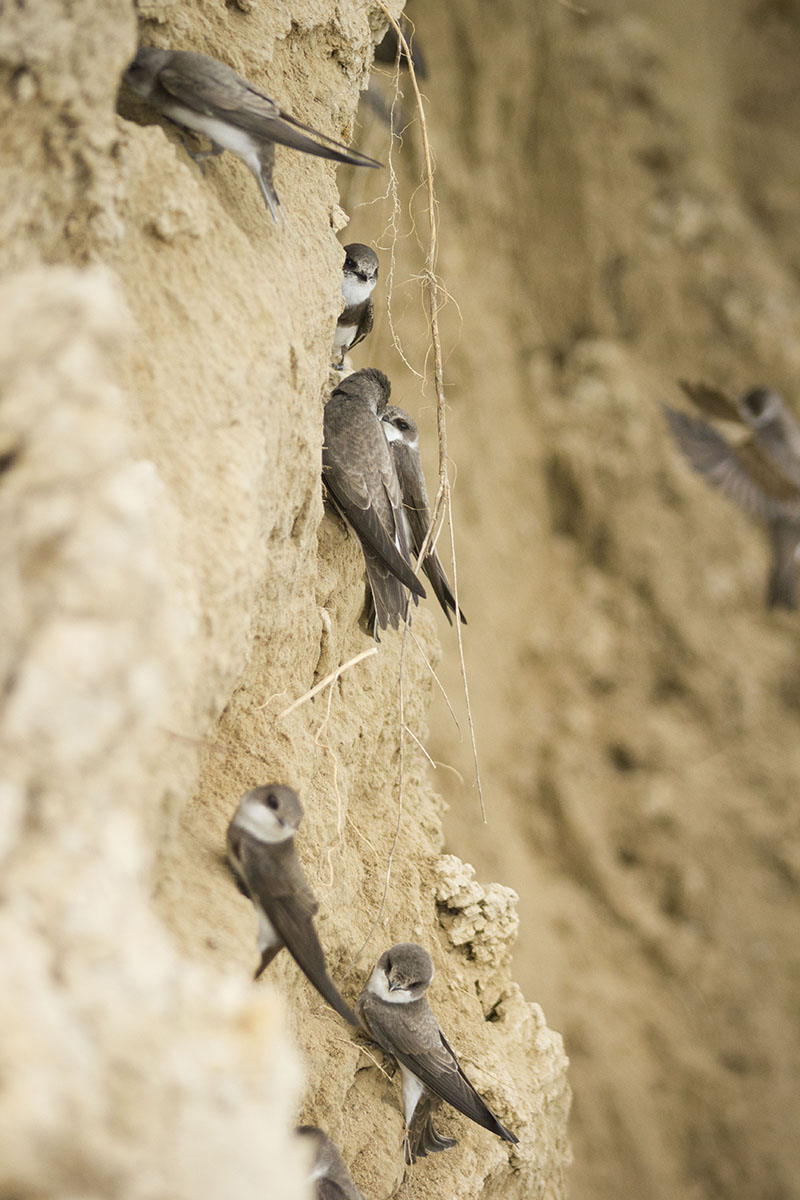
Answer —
(668, 687)
(621, 757)
(493, 1014)
(601, 685)
(567, 508)
(7, 459)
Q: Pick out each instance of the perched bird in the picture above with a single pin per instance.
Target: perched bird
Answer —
(761, 473)
(329, 1174)
(360, 277)
(360, 476)
(395, 1013)
(267, 870)
(208, 97)
(403, 437)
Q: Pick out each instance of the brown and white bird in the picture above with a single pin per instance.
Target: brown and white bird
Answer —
(207, 96)
(329, 1175)
(360, 475)
(395, 1013)
(761, 473)
(403, 437)
(267, 870)
(360, 274)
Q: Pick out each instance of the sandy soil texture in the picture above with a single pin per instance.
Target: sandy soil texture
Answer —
(618, 209)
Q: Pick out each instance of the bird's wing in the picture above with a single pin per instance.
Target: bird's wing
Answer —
(365, 500)
(711, 401)
(276, 881)
(421, 1046)
(290, 132)
(283, 892)
(389, 596)
(233, 862)
(329, 1189)
(215, 89)
(365, 324)
(415, 493)
(746, 474)
(354, 496)
(781, 491)
(779, 440)
(417, 511)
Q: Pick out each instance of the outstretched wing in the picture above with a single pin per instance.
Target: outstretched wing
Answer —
(746, 474)
(712, 401)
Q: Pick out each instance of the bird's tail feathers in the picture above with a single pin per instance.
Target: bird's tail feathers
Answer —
(422, 1137)
(389, 596)
(439, 582)
(263, 173)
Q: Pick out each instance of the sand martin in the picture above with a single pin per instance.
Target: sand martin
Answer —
(395, 1013)
(760, 473)
(208, 97)
(403, 437)
(329, 1175)
(360, 277)
(265, 865)
(359, 472)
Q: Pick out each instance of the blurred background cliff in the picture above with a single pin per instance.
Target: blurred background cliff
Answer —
(619, 204)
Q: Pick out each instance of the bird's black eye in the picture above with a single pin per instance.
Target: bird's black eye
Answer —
(349, 265)
(272, 802)
(404, 425)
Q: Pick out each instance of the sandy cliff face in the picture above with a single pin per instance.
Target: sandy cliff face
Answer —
(618, 204)
(170, 585)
